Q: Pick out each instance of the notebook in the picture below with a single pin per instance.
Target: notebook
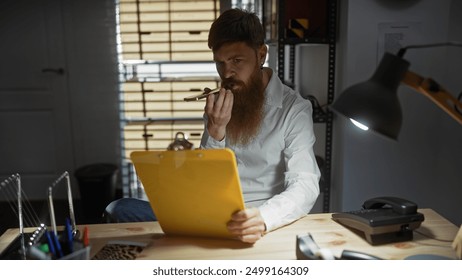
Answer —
(192, 192)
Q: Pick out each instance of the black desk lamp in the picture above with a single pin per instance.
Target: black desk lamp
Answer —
(374, 104)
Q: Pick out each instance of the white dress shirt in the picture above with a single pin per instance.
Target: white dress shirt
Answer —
(278, 169)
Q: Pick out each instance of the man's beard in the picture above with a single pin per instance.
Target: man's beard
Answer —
(247, 113)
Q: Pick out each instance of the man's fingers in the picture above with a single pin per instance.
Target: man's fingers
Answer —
(250, 238)
(247, 225)
(245, 214)
(221, 103)
(238, 230)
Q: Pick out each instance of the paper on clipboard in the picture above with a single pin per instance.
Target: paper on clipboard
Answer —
(192, 192)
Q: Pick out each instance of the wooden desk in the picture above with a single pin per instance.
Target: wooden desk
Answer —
(434, 236)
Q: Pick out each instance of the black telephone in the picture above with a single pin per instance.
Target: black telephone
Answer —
(383, 220)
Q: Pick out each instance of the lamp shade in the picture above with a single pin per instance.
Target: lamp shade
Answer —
(374, 103)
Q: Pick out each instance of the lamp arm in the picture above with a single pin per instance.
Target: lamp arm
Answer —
(435, 93)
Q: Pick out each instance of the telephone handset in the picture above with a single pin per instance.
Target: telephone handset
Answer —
(399, 205)
(383, 219)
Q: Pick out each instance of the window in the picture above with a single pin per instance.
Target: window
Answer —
(163, 57)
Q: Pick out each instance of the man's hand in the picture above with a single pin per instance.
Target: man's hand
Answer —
(247, 225)
(218, 110)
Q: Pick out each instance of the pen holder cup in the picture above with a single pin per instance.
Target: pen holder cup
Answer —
(81, 254)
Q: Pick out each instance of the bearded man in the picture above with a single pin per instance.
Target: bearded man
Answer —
(267, 125)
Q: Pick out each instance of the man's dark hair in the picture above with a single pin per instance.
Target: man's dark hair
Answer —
(236, 25)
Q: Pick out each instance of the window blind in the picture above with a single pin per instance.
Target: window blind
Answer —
(163, 57)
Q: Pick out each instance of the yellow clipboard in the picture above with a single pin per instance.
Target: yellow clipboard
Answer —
(192, 192)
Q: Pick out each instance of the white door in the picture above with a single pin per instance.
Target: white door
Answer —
(35, 132)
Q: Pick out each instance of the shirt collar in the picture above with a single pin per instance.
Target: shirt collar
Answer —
(273, 91)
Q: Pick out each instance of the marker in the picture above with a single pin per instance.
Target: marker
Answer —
(59, 251)
(69, 235)
(85, 238)
(44, 248)
(50, 242)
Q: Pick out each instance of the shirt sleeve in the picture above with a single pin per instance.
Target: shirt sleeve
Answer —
(208, 142)
(301, 179)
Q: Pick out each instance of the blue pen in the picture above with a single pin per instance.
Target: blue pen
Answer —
(59, 251)
(51, 246)
(69, 236)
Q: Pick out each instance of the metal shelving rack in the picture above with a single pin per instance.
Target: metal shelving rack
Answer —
(319, 116)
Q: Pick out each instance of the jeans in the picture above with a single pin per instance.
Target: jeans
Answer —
(126, 210)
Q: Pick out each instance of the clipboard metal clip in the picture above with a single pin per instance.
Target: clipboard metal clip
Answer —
(180, 143)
